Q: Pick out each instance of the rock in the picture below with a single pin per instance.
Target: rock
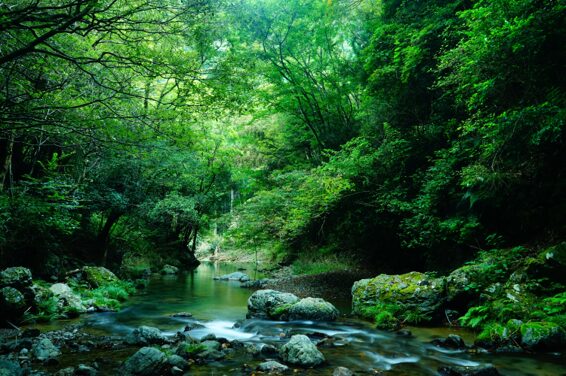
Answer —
(97, 276)
(272, 367)
(210, 350)
(193, 325)
(453, 341)
(269, 304)
(146, 335)
(169, 269)
(413, 292)
(458, 292)
(17, 277)
(468, 371)
(301, 351)
(59, 289)
(542, 336)
(67, 298)
(147, 361)
(10, 368)
(182, 314)
(177, 361)
(84, 370)
(41, 294)
(257, 284)
(69, 371)
(342, 371)
(315, 309)
(404, 333)
(236, 276)
(45, 350)
(12, 303)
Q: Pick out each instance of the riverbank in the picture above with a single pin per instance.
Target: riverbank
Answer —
(211, 314)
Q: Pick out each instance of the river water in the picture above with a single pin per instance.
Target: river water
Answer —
(219, 305)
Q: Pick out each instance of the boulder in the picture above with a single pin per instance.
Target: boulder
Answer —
(315, 309)
(146, 335)
(342, 371)
(458, 283)
(300, 351)
(97, 276)
(413, 292)
(542, 336)
(272, 367)
(468, 371)
(147, 361)
(269, 304)
(84, 370)
(44, 350)
(210, 350)
(177, 361)
(236, 276)
(68, 300)
(169, 269)
(12, 303)
(17, 277)
(453, 341)
(10, 368)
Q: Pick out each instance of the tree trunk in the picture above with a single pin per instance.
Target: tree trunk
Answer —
(6, 173)
(104, 235)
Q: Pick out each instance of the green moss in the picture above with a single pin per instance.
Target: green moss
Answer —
(386, 320)
(194, 349)
(280, 310)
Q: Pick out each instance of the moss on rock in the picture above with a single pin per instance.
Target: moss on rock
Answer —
(98, 276)
(414, 292)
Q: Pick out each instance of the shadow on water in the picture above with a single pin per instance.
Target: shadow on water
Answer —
(220, 308)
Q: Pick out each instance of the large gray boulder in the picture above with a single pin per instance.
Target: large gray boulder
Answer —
(413, 292)
(313, 309)
(300, 351)
(147, 361)
(146, 335)
(17, 277)
(67, 299)
(44, 350)
(236, 276)
(269, 304)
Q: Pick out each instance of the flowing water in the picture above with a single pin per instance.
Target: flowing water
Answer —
(220, 307)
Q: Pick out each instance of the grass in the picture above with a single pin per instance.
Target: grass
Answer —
(319, 264)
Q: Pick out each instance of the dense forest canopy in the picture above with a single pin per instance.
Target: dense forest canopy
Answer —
(410, 134)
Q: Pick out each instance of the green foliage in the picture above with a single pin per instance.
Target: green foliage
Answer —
(109, 296)
(193, 349)
(46, 310)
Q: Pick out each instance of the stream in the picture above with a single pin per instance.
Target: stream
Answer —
(219, 305)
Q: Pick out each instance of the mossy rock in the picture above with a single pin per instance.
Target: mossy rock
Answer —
(17, 277)
(312, 309)
(269, 304)
(12, 303)
(542, 336)
(415, 292)
(98, 276)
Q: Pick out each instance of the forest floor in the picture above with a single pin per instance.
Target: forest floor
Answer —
(332, 286)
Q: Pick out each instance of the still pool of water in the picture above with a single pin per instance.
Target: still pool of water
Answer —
(219, 305)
